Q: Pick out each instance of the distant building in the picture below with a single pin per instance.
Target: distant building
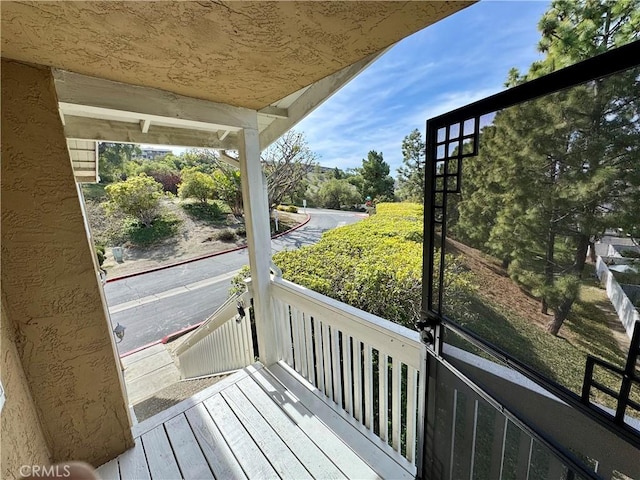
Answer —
(153, 153)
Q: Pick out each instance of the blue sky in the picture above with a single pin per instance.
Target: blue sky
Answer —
(463, 58)
(460, 59)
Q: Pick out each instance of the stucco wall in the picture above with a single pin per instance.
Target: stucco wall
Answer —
(247, 54)
(22, 441)
(49, 283)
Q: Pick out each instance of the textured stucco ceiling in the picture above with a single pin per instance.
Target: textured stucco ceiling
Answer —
(248, 54)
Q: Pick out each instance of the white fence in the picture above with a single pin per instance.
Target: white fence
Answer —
(372, 368)
(627, 313)
(222, 344)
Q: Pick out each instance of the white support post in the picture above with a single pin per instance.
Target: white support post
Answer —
(256, 214)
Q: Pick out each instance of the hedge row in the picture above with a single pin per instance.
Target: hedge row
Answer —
(374, 265)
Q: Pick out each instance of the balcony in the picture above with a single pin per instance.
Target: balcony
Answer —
(346, 399)
(258, 423)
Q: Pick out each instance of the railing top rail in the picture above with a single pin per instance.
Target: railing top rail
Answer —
(223, 314)
(360, 317)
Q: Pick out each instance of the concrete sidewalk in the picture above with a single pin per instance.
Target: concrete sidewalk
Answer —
(147, 372)
(153, 382)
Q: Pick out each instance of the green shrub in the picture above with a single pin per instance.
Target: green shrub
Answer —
(287, 208)
(206, 212)
(241, 231)
(94, 191)
(372, 265)
(197, 185)
(100, 253)
(139, 197)
(142, 236)
(226, 235)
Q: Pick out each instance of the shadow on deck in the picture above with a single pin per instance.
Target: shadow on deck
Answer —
(258, 423)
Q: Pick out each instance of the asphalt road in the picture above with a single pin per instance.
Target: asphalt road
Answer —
(155, 304)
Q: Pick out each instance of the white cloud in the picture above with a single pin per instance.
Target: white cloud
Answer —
(458, 61)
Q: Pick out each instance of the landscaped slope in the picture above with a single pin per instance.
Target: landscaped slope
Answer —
(376, 265)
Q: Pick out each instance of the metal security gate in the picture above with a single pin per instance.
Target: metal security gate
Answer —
(489, 414)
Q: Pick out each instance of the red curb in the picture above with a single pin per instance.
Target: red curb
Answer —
(179, 333)
(202, 257)
(136, 350)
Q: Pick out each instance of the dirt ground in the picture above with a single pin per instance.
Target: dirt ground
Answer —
(498, 287)
(501, 290)
(194, 239)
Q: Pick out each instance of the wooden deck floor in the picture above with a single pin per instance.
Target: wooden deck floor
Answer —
(259, 423)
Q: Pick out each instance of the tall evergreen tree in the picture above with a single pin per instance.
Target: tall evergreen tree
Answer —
(376, 181)
(555, 173)
(411, 174)
(112, 159)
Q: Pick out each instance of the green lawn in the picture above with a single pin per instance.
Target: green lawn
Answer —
(561, 358)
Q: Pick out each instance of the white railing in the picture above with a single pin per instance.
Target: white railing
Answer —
(372, 368)
(223, 343)
(627, 312)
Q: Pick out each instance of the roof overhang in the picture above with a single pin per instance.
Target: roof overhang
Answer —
(245, 54)
(98, 109)
(194, 74)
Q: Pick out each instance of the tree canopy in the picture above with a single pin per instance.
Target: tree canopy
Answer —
(335, 193)
(112, 158)
(554, 174)
(376, 181)
(411, 174)
(286, 165)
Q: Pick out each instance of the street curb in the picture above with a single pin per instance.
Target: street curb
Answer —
(202, 257)
(136, 350)
(166, 339)
(172, 336)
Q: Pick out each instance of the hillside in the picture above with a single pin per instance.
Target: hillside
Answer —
(497, 287)
(183, 234)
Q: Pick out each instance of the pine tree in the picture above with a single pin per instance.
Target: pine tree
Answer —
(411, 174)
(376, 181)
(553, 174)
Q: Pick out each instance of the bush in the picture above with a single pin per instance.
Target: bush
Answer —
(100, 253)
(94, 192)
(372, 265)
(197, 185)
(287, 208)
(229, 188)
(138, 197)
(168, 180)
(226, 235)
(207, 212)
(144, 236)
(241, 231)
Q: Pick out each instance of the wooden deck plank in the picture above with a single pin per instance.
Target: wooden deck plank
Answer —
(109, 471)
(314, 459)
(133, 463)
(340, 454)
(186, 449)
(378, 456)
(252, 460)
(177, 409)
(221, 459)
(274, 448)
(257, 423)
(162, 464)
